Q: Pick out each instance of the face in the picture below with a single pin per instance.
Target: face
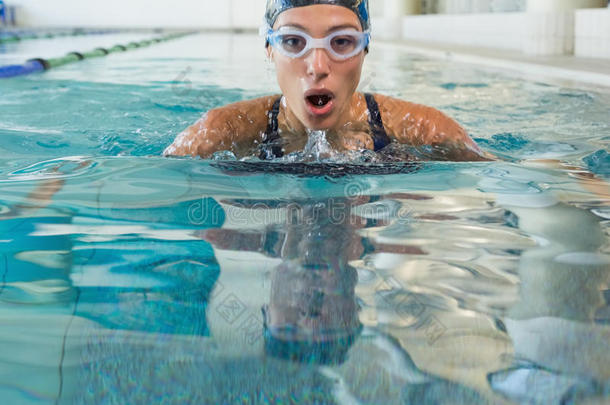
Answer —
(316, 74)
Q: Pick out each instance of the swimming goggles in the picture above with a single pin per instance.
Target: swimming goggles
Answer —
(340, 45)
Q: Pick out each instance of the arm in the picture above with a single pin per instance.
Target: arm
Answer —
(37, 199)
(596, 186)
(419, 125)
(42, 195)
(234, 127)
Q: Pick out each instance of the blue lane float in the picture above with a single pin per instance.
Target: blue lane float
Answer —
(32, 66)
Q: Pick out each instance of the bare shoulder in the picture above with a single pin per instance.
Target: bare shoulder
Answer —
(418, 124)
(405, 119)
(247, 108)
(229, 127)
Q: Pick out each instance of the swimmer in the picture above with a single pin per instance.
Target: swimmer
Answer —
(318, 48)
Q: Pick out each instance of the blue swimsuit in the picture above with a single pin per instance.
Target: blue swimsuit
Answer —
(271, 147)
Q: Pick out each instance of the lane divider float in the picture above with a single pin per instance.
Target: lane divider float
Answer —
(37, 65)
(10, 37)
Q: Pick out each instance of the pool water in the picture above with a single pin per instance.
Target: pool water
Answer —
(156, 280)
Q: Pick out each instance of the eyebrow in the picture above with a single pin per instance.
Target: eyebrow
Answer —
(331, 29)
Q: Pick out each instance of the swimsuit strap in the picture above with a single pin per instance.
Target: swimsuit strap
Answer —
(380, 137)
(271, 147)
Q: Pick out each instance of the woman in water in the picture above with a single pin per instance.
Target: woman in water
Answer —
(318, 48)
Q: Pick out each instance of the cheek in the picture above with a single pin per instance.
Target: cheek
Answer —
(351, 72)
(356, 71)
(287, 74)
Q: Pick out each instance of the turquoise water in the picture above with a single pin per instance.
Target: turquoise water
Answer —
(144, 279)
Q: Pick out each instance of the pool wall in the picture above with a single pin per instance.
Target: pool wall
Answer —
(583, 32)
(180, 14)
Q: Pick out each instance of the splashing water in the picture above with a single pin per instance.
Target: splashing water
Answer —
(317, 147)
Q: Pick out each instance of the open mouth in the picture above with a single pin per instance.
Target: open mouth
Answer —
(319, 100)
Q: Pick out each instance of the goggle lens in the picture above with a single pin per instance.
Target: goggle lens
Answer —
(293, 44)
(344, 44)
(340, 45)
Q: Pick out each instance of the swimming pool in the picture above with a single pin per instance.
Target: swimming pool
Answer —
(154, 280)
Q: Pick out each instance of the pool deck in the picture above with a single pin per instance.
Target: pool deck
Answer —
(568, 71)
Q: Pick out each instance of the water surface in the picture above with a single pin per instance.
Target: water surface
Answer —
(149, 280)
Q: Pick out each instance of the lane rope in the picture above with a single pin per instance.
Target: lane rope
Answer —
(17, 36)
(38, 65)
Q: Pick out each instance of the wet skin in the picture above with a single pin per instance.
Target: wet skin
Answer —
(239, 127)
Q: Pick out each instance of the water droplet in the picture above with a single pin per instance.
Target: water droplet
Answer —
(224, 155)
(317, 146)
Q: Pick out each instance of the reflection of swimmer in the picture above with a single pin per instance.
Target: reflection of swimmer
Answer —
(312, 314)
(36, 268)
(318, 48)
(34, 271)
(312, 318)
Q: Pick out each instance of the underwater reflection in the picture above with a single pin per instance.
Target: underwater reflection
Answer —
(36, 301)
(35, 268)
(312, 313)
(473, 298)
(560, 338)
(63, 284)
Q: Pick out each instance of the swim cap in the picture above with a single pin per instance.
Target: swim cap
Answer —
(360, 7)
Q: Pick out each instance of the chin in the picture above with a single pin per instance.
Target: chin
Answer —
(319, 125)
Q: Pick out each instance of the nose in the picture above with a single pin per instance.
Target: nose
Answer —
(318, 64)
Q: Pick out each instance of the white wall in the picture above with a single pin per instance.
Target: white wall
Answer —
(141, 13)
(214, 14)
(584, 33)
(550, 33)
(505, 31)
(479, 6)
(544, 6)
(592, 33)
(551, 25)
